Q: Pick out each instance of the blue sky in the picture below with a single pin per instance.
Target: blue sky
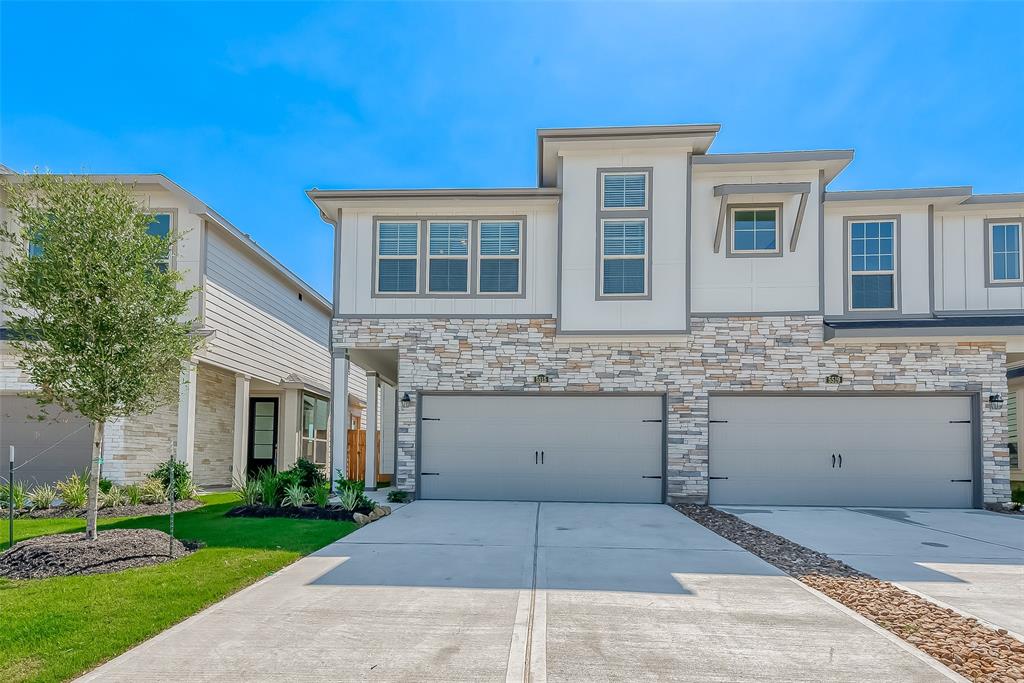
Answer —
(248, 105)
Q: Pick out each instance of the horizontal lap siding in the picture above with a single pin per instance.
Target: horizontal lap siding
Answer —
(261, 327)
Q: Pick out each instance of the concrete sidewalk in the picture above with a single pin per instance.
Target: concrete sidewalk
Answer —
(479, 591)
(971, 560)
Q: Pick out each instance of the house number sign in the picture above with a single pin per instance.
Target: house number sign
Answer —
(834, 379)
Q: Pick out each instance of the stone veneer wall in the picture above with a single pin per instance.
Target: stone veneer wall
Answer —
(736, 353)
(215, 426)
(134, 447)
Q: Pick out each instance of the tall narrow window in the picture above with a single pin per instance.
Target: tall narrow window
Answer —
(448, 258)
(500, 257)
(623, 257)
(160, 227)
(624, 191)
(1004, 241)
(315, 445)
(397, 256)
(872, 265)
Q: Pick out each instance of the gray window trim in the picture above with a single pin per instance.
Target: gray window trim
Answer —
(468, 258)
(730, 252)
(377, 220)
(175, 235)
(477, 257)
(991, 283)
(624, 214)
(897, 311)
(423, 259)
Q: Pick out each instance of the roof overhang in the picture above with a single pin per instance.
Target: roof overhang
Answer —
(999, 328)
(330, 201)
(830, 161)
(551, 141)
(941, 197)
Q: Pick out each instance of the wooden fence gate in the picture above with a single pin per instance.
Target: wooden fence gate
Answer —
(357, 456)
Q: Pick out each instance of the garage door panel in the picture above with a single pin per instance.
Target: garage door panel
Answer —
(542, 447)
(890, 450)
(52, 448)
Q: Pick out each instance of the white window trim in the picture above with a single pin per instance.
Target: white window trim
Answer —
(626, 257)
(414, 258)
(732, 230)
(481, 257)
(892, 272)
(170, 236)
(303, 439)
(451, 257)
(992, 252)
(647, 190)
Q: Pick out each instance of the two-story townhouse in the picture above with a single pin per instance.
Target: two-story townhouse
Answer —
(656, 322)
(257, 394)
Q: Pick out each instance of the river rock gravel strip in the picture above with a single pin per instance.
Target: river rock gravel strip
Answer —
(963, 644)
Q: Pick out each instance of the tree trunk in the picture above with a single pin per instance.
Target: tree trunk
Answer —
(94, 482)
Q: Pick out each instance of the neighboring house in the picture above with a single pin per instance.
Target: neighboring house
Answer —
(656, 322)
(256, 394)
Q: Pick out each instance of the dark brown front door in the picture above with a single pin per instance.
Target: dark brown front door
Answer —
(262, 435)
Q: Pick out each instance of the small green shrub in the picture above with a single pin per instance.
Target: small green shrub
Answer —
(152, 491)
(270, 487)
(20, 496)
(349, 499)
(133, 492)
(113, 497)
(248, 491)
(294, 496)
(309, 474)
(1017, 496)
(321, 494)
(105, 485)
(73, 491)
(183, 486)
(397, 496)
(350, 492)
(42, 496)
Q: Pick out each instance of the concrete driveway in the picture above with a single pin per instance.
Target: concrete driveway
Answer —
(971, 560)
(462, 591)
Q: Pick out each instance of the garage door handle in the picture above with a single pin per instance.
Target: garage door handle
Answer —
(650, 420)
(431, 419)
(718, 477)
(840, 461)
(958, 481)
(536, 457)
(833, 461)
(651, 476)
(542, 457)
(718, 422)
(429, 474)
(959, 422)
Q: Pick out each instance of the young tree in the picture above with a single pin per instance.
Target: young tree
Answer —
(99, 322)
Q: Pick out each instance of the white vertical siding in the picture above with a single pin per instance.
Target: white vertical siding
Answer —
(960, 263)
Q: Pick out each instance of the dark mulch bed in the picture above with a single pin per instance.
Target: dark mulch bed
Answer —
(71, 555)
(119, 511)
(333, 513)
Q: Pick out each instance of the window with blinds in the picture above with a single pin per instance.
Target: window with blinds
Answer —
(397, 257)
(448, 258)
(500, 257)
(624, 257)
(624, 191)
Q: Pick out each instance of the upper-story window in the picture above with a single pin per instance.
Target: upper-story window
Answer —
(500, 257)
(872, 259)
(623, 257)
(623, 191)
(1004, 253)
(448, 257)
(397, 257)
(160, 227)
(755, 230)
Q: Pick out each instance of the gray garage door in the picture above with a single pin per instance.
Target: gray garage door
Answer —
(542, 447)
(66, 438)
(842, 450)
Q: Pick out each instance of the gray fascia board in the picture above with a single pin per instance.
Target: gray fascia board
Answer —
(1006, 198)
(907, 193)
(437, 193)
(966, 333)
(630, 131)
(762, 188)
(775, 157)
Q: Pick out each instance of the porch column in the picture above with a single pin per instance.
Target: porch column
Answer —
(339, 417)
(186, 439)
(289, 439)
(388, 430)
(239, 456)
(371, 430)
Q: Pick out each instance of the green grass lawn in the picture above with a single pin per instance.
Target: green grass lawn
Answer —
(53, 629)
